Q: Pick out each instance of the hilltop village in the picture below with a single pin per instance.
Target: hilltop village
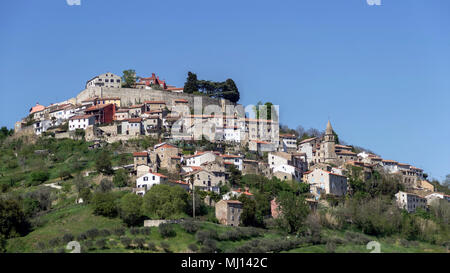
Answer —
(242, 144)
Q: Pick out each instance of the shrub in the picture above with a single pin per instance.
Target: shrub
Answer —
(92, 233)
(81, 237)
(193, 247)
(356, 238)
(126, 242)
(101, 243)
(67, 238)
(39, 177)
(330, 247)
(89, 245)
(166, 230)
(119, 231)
(190, 226)
(105, 233)
(54, 242)
(134, 231)
(146, 231)
(209, 246)
(203, 235)
(165, 246)
(139, 242)
(151, 246)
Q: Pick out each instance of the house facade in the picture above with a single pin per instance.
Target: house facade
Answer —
(228, 212)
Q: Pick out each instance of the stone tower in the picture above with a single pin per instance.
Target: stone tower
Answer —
(328, 145)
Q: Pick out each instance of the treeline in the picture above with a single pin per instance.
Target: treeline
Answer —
(227, 89)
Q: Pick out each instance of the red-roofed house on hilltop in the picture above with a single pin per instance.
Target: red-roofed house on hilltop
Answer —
(104, 113)
(149, 82)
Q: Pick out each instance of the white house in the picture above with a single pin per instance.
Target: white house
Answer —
(63, 112)
(436, 195)
(287, 171)
(410, 201)
(390, 166)
(81, 122)
(105, 80)
(200, 158)
(232, 134)
(236, 194)
(148, 180)
(41, 126)
(287, 143)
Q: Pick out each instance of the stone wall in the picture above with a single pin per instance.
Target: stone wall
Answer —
(156, 223)
(131, 96)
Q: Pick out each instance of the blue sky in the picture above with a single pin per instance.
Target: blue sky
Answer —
(381, 73)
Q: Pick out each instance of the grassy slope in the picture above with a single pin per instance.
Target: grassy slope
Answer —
(76, 219)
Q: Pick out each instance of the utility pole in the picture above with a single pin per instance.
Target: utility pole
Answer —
(193, 196)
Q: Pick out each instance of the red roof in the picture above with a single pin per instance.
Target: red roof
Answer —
(140, 154)
(154, 102)
(98, 107)
(81, 117)
(36, 108)
(133, 120)
(160, 175)
(179, 182)
(181, 100)
(166, 146)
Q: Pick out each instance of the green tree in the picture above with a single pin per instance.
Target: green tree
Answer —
(130, 209)
(235, 175)
(40, 176)
(120, 178)
(165, 201)
(128, 78)
(104, 204)
(294, 211)
(105, 185)
(103, 163)
(248, 216)
(13, 221)
(230, 91)
(191, 84)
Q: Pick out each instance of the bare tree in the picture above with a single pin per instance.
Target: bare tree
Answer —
(300, 130)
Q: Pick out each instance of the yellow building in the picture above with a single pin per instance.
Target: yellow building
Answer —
(115, 101)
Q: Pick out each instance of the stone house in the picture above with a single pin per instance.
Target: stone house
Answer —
(166, 154)
(141, 158)
(228, 212)
(322, 181)
(205, 180)
(151, 105)
(132, 127)
(121, 114)
(136, 111)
